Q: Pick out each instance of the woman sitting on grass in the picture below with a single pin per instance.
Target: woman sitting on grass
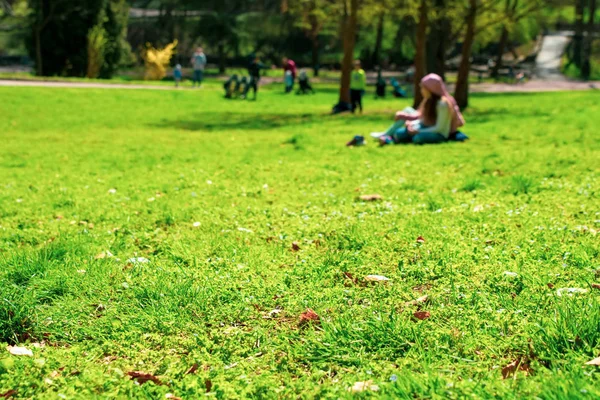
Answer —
(437, 118)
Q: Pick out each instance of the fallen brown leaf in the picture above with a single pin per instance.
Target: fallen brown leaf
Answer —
(192, 369)
(309, 316)
(295, 246)
(550, 286)
(420, 239)
(208, 384)
(514, 367)
(351, 277)
(595, 361)
(422, 315)
(143, 377)
(596, 286)
(418, 301)
(8, 394)
(370, 197)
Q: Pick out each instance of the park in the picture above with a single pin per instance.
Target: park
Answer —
(162, 242)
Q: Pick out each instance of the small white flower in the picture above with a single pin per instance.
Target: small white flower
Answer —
(112, 191)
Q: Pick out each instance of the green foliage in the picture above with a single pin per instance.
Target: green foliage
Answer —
(64, 30)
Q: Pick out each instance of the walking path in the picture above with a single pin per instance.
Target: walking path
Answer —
(548, 61)
(531, 86)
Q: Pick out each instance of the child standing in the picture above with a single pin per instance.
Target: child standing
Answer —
(289, 81)
(358, 84)
(177, 75)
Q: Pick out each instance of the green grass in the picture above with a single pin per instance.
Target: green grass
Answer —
(213, 193)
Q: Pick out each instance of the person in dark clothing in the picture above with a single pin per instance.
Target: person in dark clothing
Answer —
(304, 84)
(230, 86)
(254, 71)
(380, 86)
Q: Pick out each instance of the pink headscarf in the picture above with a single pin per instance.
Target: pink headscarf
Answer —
(436, 85)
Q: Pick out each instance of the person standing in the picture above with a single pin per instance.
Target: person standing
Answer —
(289, 65)
(198, 63)
(358, 84)
(254, 72)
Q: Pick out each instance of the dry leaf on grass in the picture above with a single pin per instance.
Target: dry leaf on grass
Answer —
(309, 316)
(295, 246)
(596, 286)
(19, 351)
(351, 277)
(515, 366)
(420, 239)
(418, 301)
(370, 197)
(104, 254)
(595, 361)
(208, 385)
(376, 278)
(363, 386)
(192, 369)
(9, 394)
(171, 396)
(550, 285)
(143, 377)
(422, 315)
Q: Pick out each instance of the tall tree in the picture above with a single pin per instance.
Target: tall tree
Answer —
(586, 68)
(461, 92)
(349, 27)
(420, 59)
(313, 16)
(578, 37)
(438, 39)
(376, 56)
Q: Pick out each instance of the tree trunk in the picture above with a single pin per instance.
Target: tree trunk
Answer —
(378, 40)
(461, 93)
(420, 52)
(349, 33)
(315, 56)
(586, 68)
(437, 43)
(39, 68)
(221, 51)
(578, 37)
(501, 49)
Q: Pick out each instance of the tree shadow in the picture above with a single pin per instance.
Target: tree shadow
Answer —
(222, 121)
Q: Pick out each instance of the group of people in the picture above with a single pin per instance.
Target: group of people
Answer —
(198, 62)
(437, 119)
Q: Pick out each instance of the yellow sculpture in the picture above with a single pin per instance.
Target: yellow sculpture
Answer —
(156, 61)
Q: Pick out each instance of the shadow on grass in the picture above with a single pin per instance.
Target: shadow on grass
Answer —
(238, 121)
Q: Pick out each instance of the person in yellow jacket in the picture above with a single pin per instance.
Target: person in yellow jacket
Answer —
(358, 84)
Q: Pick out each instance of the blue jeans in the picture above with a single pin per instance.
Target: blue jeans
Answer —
(399, 134)
(198, 75)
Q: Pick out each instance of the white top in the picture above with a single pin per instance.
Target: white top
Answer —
(199, 61)
(443, 122)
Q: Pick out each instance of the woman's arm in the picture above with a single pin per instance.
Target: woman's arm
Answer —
(443, 122)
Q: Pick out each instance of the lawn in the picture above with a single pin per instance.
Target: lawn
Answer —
(181, 235)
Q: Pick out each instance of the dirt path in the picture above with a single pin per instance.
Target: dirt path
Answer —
(531, 86)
